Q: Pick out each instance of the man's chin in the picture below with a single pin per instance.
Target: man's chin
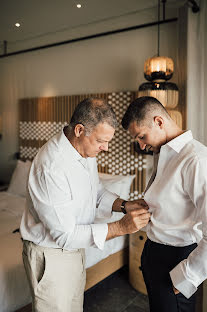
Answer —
(93, 155)
(154, 149)
(149, 149)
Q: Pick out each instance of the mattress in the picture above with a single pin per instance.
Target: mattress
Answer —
(14, 289)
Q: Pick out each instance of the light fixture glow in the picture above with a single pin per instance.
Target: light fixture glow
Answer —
(79, 6)
(17, 24)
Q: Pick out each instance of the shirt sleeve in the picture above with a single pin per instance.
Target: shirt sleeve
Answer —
(191, 272)
(55, 207)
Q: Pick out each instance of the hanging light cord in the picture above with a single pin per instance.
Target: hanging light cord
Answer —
(158, 30)
(163, 9)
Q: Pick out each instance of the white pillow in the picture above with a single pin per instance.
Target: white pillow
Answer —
(118, 184)
(18, 183)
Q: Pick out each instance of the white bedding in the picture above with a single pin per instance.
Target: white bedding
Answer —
(11, 209)
(14, 290)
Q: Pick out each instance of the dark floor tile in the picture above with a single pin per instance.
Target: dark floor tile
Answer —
(114, 294)
(134, 308)
(139, 304)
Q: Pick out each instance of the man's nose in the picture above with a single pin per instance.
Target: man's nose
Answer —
(104, 147)
(142, 145)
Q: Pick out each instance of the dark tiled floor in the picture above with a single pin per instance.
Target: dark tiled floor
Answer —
(115, 294)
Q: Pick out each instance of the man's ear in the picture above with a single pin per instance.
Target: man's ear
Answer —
(159, 121)
(78, 130)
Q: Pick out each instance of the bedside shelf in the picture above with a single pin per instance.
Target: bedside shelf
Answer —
(136, 244)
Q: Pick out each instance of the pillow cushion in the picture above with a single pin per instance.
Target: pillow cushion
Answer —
(18, 183)
(118, 184)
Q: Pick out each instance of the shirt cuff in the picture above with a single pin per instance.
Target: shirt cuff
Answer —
(105, 205)
(100, 232)
(181, 283)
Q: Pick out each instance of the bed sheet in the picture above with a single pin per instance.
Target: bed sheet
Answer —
(14, 289)
(11, 210)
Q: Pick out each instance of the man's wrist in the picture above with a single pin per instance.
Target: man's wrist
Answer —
(123, 206)
(117, 205)
(115, 229)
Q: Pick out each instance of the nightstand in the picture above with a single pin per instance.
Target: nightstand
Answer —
(136, 245)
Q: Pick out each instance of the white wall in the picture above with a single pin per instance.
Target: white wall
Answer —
(112, 63)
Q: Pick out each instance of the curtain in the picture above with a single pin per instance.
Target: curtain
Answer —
(197, 72)
(197, 82)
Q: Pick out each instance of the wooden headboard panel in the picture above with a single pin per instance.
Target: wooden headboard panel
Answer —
(41, 118)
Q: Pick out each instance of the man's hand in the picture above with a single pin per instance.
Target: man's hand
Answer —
(132, 222)
(136, 204)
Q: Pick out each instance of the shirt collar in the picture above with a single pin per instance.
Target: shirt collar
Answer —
(69, 149)
(179, 142)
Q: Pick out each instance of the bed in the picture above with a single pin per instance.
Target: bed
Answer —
(121, 170)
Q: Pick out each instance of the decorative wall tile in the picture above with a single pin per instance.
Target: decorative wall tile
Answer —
(42, 118)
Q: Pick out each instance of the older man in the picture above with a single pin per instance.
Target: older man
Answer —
(173, 265)
(64, 195)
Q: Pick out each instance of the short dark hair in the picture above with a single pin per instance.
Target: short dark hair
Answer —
(92, 111)
(141, 110)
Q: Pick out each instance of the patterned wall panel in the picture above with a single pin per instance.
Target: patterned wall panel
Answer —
(41, 118)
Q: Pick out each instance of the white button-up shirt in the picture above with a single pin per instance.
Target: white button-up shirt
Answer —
(64, 196)
(177, 199)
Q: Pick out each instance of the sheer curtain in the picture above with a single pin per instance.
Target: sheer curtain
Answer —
(197, 82)
(197, 72)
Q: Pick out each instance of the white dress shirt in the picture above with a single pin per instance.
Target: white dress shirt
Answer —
(64, 195)
(177, 199)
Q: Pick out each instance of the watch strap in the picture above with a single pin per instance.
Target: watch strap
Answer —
(123, 209)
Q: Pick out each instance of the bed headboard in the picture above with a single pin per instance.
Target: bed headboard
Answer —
(41, 118)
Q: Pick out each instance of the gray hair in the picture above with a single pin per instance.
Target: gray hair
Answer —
(92, 111)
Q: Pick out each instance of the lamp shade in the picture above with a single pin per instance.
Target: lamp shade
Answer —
(165, 92)
(158, 68)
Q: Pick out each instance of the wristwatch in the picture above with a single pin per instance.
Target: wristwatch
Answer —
(123, 209)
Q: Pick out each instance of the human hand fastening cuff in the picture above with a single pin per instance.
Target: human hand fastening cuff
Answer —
(135, 204)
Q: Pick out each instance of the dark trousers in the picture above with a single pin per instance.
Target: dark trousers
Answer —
(157, 261)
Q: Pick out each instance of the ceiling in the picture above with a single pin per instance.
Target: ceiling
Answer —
(40, 18)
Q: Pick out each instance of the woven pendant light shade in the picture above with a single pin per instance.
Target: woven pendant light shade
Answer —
(165, 92)
(158, 67)
(157, 70)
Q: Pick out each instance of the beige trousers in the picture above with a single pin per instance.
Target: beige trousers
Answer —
(56, 278)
